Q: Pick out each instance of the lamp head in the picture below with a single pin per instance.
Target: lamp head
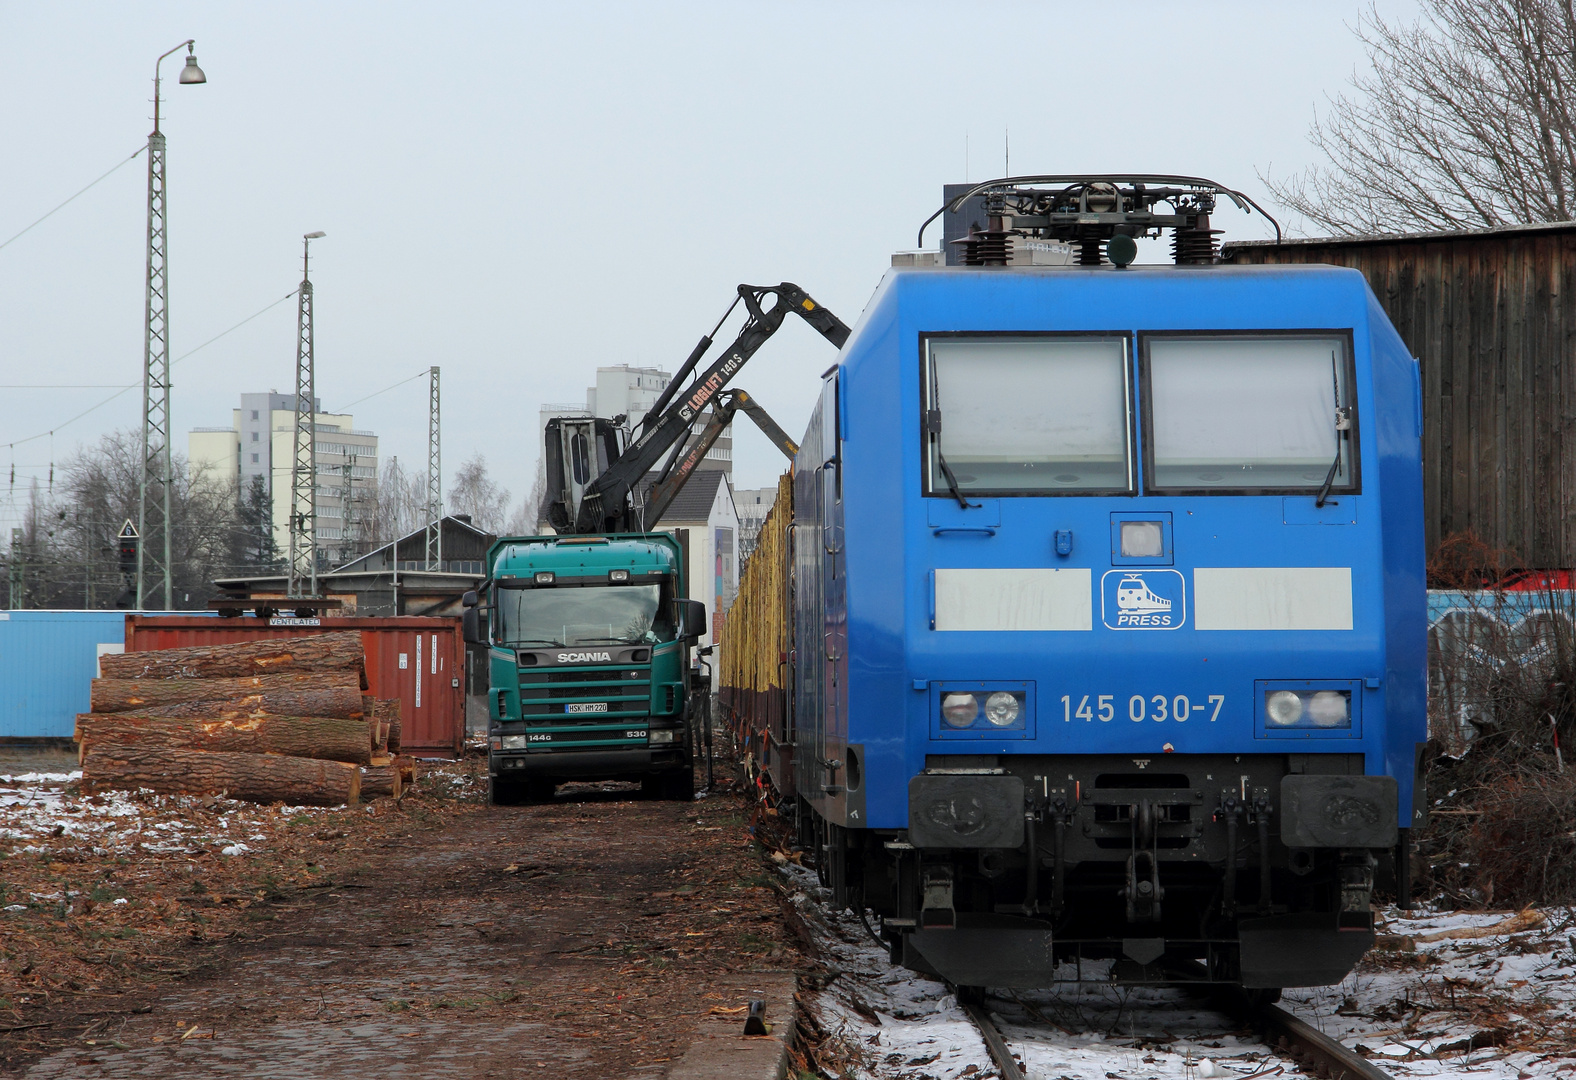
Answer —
(191, 73)
(313, 235)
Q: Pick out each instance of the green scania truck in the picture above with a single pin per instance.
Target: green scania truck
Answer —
(589, 643)
(589, 631)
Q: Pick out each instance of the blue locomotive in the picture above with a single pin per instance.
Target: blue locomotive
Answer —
(1108, 621)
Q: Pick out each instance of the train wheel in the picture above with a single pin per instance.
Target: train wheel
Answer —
(1264, 996)
(969, 995)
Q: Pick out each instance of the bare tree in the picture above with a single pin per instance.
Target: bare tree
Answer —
(399, 503)
(477, 494)
(68, 553)
(1467, 119)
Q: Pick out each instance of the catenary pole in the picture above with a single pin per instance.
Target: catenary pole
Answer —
(434, 552)
(157, 470)
(303, 470)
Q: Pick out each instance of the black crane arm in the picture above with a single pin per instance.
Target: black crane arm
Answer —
(763, 420)
(728, 403)
(605, 506)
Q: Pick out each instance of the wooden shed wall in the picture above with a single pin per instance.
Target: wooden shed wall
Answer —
(1491, 318)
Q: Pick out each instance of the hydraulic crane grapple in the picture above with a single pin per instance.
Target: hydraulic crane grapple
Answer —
(598, 485)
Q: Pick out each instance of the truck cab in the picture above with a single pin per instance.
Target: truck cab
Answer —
(588, 642)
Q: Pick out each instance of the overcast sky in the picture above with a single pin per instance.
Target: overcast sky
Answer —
(521, 192)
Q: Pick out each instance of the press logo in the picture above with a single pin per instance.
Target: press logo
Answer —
(1143, 600)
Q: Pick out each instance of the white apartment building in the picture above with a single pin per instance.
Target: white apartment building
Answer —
(753, 505)
(261, 441)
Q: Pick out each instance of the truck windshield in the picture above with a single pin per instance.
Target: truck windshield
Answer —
(593, 615)
(1026, 415)
(1249, 413)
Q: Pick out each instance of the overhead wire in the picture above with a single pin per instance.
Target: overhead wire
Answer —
(65, 423)
(385, 390)
(123, 162)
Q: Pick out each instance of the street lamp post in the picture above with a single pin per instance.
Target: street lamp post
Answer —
(156, 431)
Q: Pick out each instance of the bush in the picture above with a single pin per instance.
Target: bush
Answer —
(1502, 704)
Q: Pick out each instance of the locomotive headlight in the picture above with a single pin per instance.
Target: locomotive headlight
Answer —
(1002, 709)
(1329, 709)
(960, 710)
(1283, 708)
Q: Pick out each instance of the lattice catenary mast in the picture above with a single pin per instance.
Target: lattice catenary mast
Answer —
(154, 558)
(434, 553)
(303, 474)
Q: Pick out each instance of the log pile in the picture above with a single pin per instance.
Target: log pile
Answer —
(276, 720)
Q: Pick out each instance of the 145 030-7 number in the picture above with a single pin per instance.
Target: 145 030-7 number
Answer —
(1158, 707)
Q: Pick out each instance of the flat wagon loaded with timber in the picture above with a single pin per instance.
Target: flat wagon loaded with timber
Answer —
(271, 720)
(755, 653)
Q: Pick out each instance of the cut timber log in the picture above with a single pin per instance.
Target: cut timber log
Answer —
(124, 695)
(337, 651)
(407, 767)
(340, 704)
(293, 736)
(260, 778)
(382, 780)
(389, 709)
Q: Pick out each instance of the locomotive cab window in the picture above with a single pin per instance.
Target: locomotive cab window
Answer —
(1022, 415)
(1250, 414)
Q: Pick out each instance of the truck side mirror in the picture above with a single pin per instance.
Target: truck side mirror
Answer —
(471, 624)
(470, 599)
(691, 618)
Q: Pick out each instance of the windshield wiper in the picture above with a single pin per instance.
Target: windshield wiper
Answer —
(1343, 426)
(933, 425)
(536, 641)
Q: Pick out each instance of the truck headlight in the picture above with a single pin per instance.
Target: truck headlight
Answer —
(960, 710)
(1002, 709)
(662, 736)
(513, 742)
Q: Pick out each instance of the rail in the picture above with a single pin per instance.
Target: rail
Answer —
(1006, 1064)
(1310, 1048)
(1308, 1045)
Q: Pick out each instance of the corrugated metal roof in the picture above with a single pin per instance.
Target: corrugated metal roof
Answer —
(1402, 238)
(410, 543)
(694, 500)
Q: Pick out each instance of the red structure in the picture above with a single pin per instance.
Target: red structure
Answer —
(419, 660)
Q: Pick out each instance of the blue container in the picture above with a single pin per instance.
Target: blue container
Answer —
(48, 660)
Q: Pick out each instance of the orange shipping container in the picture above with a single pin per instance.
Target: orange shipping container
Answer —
(419, 660)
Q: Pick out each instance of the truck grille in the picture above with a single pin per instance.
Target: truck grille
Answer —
(580, 693)
(625, 691)
(622, 675)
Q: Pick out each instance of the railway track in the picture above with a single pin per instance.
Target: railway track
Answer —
(1083, 1030)
(1313, 1051)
